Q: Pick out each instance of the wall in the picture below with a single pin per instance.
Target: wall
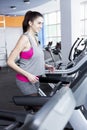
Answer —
(12, 35)
(9, 35)
(70, 26)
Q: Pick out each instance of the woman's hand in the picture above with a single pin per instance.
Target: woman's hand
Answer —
(32, 78)
(50, 67)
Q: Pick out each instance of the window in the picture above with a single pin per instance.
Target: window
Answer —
(52, 27)
(83, 22)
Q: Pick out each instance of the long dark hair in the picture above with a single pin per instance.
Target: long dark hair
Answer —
(29, 16)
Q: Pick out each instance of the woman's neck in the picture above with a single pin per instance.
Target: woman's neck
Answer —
(30, 32)
(33, 36)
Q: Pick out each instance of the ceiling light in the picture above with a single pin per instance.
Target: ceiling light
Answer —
(27, 1)
(13, 7)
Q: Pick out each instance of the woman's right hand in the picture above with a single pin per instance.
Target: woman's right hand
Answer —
(32, 78)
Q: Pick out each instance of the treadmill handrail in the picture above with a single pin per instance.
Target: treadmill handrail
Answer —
(70, 70)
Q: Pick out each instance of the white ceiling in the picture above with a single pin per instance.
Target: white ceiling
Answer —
(20, 6)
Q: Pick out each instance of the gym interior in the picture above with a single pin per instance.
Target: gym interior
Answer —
(63, 39)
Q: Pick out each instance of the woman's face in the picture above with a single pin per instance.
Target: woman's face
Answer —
(36, 25)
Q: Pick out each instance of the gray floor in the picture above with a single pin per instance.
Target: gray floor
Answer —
(8, 89)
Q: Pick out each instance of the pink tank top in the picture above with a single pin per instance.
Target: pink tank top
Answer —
(26, 54)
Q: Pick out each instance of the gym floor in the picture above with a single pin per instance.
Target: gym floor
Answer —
(8, 89)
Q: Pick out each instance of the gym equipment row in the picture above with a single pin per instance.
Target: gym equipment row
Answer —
(68, 74)
(78, 47)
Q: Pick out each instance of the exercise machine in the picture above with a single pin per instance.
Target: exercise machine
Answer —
(53, 115)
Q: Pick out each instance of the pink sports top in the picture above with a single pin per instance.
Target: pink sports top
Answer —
(27, 54)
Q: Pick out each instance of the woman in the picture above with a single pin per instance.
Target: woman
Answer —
(31, 63)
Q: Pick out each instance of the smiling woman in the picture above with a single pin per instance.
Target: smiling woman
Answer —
(11, 21)
(31, 62)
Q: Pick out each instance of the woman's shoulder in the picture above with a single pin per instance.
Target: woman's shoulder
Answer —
(24, 37)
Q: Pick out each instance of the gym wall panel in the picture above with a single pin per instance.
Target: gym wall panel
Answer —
(1, 17)
(9, 37)
(1, 25)
(2, 38)
(2, 21)
(2, 48)
(11, 21)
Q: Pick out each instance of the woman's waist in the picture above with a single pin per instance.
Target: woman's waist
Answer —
(22, 77)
